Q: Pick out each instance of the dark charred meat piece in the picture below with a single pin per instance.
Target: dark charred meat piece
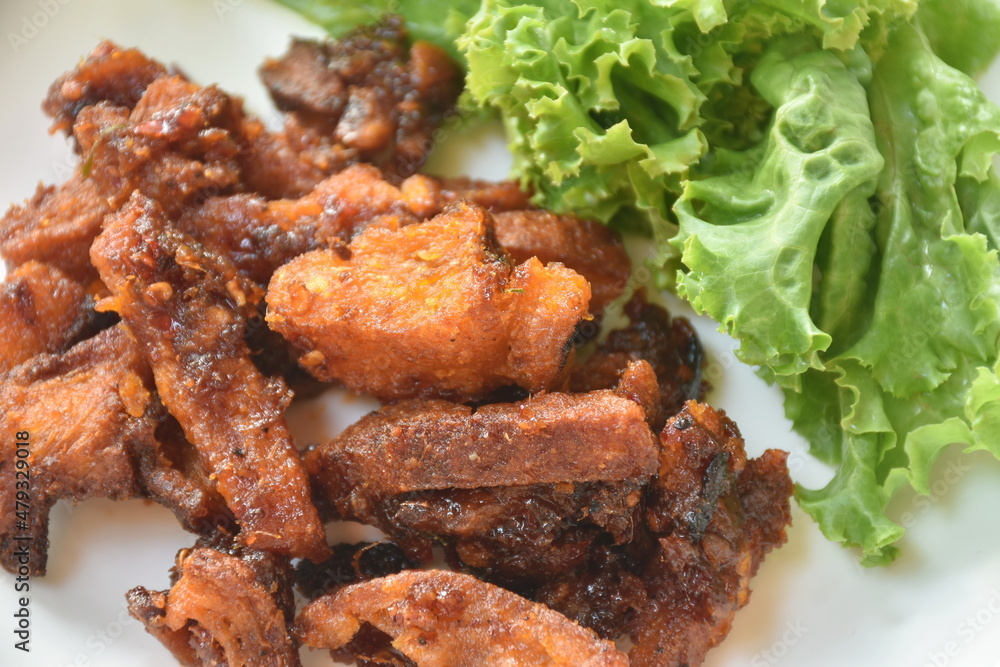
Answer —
(448, 618)
(711, 515)
(86, 410)
(187, 319)
(56, 226)
(515, 491)
(224, 607)
(176, 146)
(433, 309)
(109, 73)
(379, 99)
(41, 310)
(670, 345)
(589, 248)
(349, 564)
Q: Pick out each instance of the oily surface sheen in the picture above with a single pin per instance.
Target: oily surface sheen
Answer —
(442, 619)
(433, 309)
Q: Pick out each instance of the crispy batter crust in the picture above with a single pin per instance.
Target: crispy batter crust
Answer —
(428, 310)
(188, 322)
(440, 618)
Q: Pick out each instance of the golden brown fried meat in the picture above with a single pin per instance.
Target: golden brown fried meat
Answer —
(41, 310)
(188, 321)
(177, 145)
(433, 309)
(711, 515)
(379, 99)
(497, 197)
(670, 345)
(225, 607)
(439, 618)
(109, 73)
(588, 247)
(56, 226)
(88, 410)
(515, 491)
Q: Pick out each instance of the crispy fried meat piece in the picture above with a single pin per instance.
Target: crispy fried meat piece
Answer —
(711, 516)
(515, 491)
(669, 344)
(497, 197)
(56, 226)
(109, 73)
(178, 145)
(378, 99)
(88, 410)
(447, 618)
(41, 310)
(188, 321)
(225, 607)
(433, 309)
(588, 247)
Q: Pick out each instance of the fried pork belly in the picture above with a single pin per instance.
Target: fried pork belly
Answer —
(378, 99)
(513, 490)
(178, 144)
(433, 309)
(710, 517)
(228, 607)
(41, 310)
(109, 74)
(56, 226)
(669, 344)
(588, 247)
(187, 318)
(438, 618)
(88, 409)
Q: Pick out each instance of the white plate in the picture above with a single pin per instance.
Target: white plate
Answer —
(938, 605)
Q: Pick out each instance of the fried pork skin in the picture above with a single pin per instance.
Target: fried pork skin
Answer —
(188, 323)
(56, 226)
(670, 345)
(223, 608)
(433, 309)
(88, 409)
(379, 99)
(588, 247)
(710, 517)
(41, 310)
(515, 491)
(439, 618)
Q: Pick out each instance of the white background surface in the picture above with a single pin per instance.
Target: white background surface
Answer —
(812, 605)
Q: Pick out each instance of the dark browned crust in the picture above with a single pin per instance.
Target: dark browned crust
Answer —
(186, 316)
(670, 345)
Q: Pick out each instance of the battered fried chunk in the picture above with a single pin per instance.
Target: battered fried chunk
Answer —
(109, 73)
(710, 518)
(86, 410)
(225, 607)
(41, 310)
(669, 344)
(186, 315)
(588, 247)
(178, 144)
(56, 226)
(513, 490)
(447, 618)
(378, 98)
(433, 309)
